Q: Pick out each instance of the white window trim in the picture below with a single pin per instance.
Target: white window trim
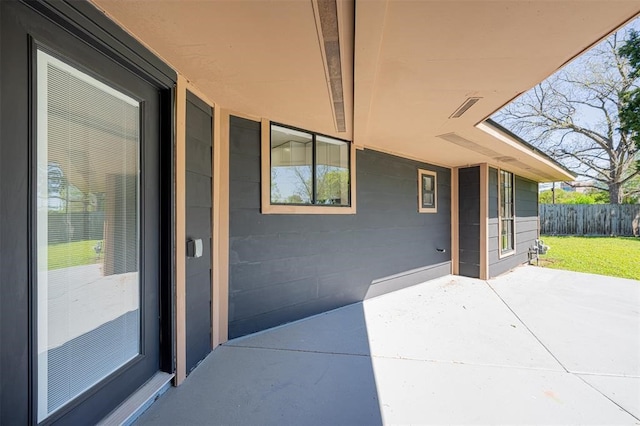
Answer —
(435, 191)
(268, 208)
(506, 253)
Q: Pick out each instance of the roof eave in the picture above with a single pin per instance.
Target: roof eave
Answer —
(506, 136)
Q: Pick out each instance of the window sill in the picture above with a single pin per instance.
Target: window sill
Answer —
(509, 253)
(285, 209)
(427, 210)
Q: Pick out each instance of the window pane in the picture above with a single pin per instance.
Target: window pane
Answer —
(332, 171)
(507, 234)
(87, 232)
(427, 199)
(428, 191)
(427, 183)
(291, 166)
(503, 235)
(506, 210)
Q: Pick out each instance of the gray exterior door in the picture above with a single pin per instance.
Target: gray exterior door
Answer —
(198, 224)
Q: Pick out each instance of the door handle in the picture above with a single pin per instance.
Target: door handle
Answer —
(194, 248)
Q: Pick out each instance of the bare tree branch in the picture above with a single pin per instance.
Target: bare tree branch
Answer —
(574, 116)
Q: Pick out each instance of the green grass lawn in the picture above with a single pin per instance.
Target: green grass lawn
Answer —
(77, 253)
(613, 256)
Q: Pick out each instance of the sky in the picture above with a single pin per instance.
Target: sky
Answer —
(587, 115)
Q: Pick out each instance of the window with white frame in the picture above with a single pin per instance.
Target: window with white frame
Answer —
(427, 191)
(506, 212)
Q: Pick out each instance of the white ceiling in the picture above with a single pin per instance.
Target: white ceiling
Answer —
(415, 62)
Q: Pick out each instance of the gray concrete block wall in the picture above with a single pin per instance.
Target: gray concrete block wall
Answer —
(286, 267)
(526, 223)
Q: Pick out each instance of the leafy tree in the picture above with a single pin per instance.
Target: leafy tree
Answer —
(275, 191)
(572, 197)
(599, 196)
(294, 199)
(304, 185)
(630, 111)
(331, 184)
(574, 115)
(547, 196)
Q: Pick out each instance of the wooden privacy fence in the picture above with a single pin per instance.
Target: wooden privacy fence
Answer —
(589, 219)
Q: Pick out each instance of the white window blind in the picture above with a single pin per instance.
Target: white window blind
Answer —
(88, 292)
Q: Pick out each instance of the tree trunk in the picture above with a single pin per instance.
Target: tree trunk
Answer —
(615, 194)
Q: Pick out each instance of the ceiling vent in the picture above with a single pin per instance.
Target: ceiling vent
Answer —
(464, 107)
(326, 12)
(505, 159)
(466, 143)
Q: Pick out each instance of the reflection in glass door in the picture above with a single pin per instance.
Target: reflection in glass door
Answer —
(88, 231)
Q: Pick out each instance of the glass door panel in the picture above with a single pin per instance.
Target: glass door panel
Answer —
(88, 231)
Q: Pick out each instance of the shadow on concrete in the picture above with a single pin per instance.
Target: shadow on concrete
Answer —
(316, 371)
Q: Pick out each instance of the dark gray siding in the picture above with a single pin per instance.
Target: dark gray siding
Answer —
(469, 221)
(286, 267)
(526, 227)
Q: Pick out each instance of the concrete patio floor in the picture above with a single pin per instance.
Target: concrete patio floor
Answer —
(534, 346)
